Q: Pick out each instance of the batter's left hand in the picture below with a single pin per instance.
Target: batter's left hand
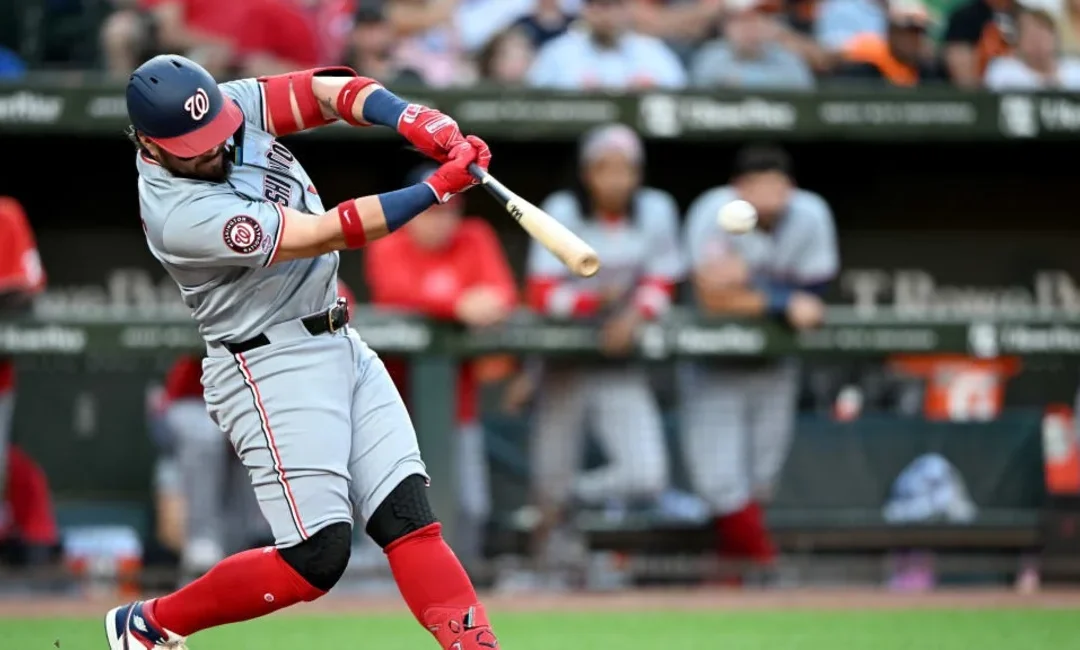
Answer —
(434, 133)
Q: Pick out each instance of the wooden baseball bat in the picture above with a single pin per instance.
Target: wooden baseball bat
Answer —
(578, 256)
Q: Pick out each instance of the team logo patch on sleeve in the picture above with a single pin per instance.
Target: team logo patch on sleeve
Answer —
(243, 234)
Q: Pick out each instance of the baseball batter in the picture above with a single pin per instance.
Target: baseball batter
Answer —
(308, 407)
(738, 417)
(634, 229)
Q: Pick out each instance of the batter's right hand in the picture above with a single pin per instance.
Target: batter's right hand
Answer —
(805, 310)
(453, 176)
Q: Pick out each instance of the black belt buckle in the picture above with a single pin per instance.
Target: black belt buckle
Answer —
(338, 315)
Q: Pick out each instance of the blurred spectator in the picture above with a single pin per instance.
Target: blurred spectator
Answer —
(546, 21)
(1036, 63)
(738, 418)
(450, 267)
(478, 21)
(239, 37)
(904, 58)
(606, 53)
(372, 46)
(201, 29)
(750, 56)
(978, 32)
(31, 524)
(1068, 26)
(427, 41)
(507, 58)
(281, 36)
(681, 23)
(839, 21)
(634, 229)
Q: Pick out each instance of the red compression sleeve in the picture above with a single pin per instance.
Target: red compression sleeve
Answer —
(279, 92)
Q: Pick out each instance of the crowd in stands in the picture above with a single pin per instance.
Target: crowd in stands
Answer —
(574, 44)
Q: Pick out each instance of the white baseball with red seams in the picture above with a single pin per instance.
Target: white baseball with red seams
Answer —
(737, 217)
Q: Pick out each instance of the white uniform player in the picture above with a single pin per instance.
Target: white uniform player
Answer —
(634, 230)
(738, 416)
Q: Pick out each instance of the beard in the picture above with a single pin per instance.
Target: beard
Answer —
(211, 170)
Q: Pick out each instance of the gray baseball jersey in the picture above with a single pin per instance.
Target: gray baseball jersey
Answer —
(618, 403)
(647, 246)
(316, 420)
(738, 421)
(217, 240)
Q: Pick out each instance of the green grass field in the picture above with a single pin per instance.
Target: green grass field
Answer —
(989, 629)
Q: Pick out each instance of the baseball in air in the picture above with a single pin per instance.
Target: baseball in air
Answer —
(737, 217)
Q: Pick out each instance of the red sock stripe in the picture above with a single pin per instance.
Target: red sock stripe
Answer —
(271, 444)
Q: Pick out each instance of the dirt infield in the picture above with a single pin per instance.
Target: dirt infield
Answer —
(637, 600)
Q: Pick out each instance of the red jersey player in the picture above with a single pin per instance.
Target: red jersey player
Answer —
(25, 488)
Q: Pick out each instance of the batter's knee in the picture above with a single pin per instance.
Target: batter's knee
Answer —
(322, 558)
(405, 510)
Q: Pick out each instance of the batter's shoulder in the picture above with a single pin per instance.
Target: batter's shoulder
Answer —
(248, 95)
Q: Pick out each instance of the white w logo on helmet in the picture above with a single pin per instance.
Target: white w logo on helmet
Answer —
(198, 105)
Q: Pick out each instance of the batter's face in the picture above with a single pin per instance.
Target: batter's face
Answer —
(434, 228)
(611, 179)
(213, 166)
(769, 192)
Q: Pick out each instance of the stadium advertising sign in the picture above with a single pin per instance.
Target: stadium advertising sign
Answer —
(1029, 116)
(675, 115)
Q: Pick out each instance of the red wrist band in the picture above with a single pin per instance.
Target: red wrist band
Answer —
(352, 227)
(346, 99)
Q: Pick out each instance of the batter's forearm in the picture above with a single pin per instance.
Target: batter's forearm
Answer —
(352, 224)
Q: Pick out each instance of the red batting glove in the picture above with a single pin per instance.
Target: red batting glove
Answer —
(433, 133)
(453, 177)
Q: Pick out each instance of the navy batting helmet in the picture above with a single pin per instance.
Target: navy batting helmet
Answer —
(178, 106)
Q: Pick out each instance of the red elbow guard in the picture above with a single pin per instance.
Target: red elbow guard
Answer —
(278, 91)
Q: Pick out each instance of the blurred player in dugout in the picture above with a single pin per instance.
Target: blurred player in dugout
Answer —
(453, 268)
(205, 507)
(738, 417)
(28, 529)
(634, 229)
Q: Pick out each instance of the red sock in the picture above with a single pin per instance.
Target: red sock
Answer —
(30, 503)
(438, 591)
(743, 535)
(239, 588)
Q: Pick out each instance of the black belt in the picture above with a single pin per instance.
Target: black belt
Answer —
(324, 322)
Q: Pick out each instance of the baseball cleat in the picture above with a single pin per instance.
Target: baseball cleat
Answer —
(130, 627)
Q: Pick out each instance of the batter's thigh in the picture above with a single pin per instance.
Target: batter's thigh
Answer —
(558, 433)
(714, 433)
(626, 420)
(384, 447)
(773, 401)
(286, 408)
